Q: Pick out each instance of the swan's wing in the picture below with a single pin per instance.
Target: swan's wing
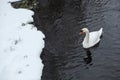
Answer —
(100, 31)
(94, 38)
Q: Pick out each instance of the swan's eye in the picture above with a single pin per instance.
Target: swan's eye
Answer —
(81, 32)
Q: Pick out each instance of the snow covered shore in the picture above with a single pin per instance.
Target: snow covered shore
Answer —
(20, 44)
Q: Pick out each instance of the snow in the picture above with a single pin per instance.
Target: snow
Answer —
(20, 44)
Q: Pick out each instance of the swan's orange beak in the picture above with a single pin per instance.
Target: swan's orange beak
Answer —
(81, 32)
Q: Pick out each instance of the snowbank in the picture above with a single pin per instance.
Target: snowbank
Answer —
(20, 44)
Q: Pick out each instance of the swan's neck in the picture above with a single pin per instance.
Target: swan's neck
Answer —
(87, 37)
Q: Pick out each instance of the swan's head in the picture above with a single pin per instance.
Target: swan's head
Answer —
(84, 30)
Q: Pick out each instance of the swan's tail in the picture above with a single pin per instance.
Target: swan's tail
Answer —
(101, 31)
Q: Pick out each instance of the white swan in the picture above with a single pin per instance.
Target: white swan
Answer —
(91, 38)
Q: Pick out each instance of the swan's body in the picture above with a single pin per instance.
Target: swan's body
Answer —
(91, 38)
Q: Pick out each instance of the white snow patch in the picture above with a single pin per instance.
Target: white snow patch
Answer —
(20, 44)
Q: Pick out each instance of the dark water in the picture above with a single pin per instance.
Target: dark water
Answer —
(63, 55)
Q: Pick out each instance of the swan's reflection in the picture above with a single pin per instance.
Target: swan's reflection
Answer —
(88, 58)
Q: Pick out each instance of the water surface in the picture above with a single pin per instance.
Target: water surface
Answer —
(63, 55)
